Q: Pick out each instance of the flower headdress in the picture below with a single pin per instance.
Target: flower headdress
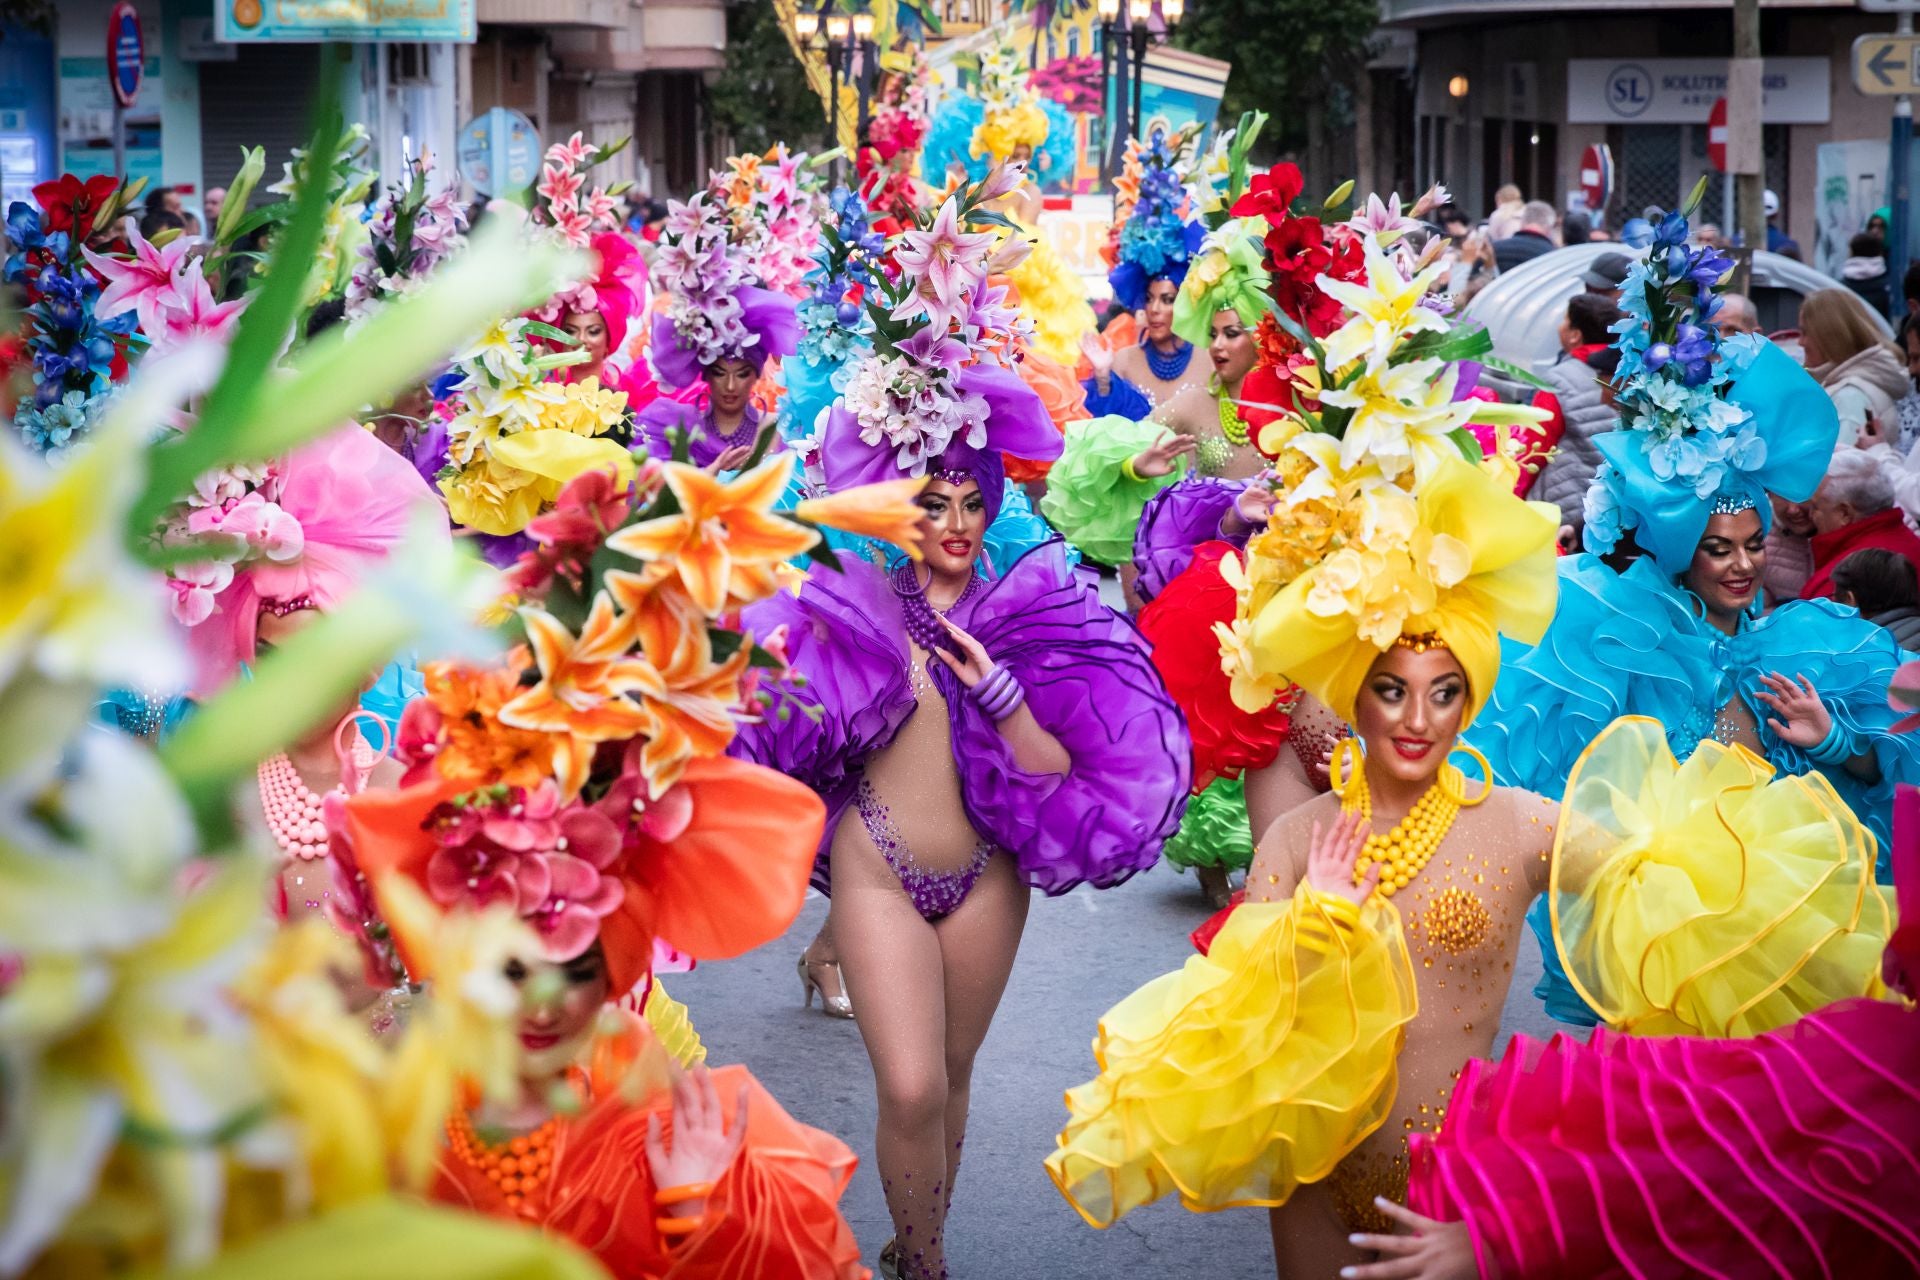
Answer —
(775, 223)
(896, 131)
(982, 131)
(77, 348)
(713, 311)
(519, 436)
(835, 328)
(939, 394)
(1156, 240)
(584, 781)
(1388, 521)
(409, 233)
(297, 533)
(574, 210)
(1228, 273)
(1706, 424)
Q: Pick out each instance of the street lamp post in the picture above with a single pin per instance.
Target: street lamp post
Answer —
(1113, 104)
(847, 32)
(1139, 14)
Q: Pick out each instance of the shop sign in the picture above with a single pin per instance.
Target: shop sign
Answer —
(312, 21)
(1683, 90)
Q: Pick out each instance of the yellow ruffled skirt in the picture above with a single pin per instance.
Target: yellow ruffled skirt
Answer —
(1712, 897)
(1250, 1070)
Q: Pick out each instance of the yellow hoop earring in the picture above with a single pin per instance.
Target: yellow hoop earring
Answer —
(1459, 779)
(1348, 749)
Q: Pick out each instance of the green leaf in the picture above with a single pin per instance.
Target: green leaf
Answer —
(1517, 372)
(987, 217)
(1693, 200)
(1339, 196)
(822, 554)
(1469, 447)
(611, 150)
(543, 330)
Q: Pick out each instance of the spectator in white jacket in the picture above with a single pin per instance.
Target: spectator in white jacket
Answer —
(1846, 350)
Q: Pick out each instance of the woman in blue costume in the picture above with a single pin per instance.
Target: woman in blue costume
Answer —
(1709, 431)
(1156, 246)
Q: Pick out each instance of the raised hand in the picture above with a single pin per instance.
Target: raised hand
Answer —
(1097, 354)
(1331, 855)
(731, 459)
(704, 1144)
(1255, 501)
(1159, 458)
(1799, 717)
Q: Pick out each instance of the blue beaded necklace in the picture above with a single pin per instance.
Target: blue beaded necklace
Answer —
(1164, 367)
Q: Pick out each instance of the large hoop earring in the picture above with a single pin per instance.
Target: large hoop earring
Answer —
(1346, 752)
(351, 779)
(1460, 781)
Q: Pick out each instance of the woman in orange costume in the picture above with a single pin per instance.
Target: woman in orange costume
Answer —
(660, 1174)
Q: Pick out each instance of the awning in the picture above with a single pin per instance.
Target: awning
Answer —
(604, 14)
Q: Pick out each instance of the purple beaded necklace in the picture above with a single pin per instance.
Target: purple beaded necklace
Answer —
(743, 434)
(923, 620)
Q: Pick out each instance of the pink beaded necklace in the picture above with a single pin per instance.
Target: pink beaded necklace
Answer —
(293, 809)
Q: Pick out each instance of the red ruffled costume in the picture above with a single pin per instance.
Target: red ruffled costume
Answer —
(1178, 623)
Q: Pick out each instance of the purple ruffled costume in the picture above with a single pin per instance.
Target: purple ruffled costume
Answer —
(1174, 522)
(652, 425)
(1088, 681)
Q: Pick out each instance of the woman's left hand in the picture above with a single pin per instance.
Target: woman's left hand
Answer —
(704, 1144)
(971, 667)
(1802, 719)
(1431, 1251)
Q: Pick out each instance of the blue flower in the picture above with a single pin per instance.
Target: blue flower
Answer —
(1671, 233)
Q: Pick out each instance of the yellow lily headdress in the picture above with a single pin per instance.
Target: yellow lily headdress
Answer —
(1462, 561)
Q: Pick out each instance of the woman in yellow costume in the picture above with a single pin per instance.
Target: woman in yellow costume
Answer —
(1287, 1067)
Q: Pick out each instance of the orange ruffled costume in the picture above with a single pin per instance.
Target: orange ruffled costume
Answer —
(1066, 401)
(730, 880)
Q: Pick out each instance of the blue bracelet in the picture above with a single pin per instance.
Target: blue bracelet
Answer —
(1836, 748)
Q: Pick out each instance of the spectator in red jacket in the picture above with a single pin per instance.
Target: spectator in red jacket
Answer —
(1853, 509)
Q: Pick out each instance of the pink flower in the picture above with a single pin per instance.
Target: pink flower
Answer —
(251, 526)
(572, 153)
(600, 205)
(192, 311)
(947, 264)
(1006, 178)
(578, 894)
(559, 187)
(143, 285)
(574, 226)
(194, 587)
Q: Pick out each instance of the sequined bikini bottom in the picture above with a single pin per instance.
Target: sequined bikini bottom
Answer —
(934, 894)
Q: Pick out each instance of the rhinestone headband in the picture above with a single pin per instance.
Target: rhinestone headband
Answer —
(1732, 504)
(1422, 642)
(281, 608)
(953, 476)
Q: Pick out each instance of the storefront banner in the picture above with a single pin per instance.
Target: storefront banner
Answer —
(1683, 90)
(313, 21)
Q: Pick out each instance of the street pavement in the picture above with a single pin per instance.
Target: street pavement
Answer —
(1081, 953)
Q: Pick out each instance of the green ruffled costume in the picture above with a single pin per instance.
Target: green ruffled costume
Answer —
(1089, 498)
(1216, 831)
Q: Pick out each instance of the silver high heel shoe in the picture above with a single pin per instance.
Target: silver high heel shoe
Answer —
(834, 1006)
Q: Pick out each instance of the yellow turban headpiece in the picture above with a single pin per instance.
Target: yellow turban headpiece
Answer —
(1463, 561)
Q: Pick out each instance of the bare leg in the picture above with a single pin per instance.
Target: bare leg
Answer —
(1309, 1242)
(977, 943)
(893, 966)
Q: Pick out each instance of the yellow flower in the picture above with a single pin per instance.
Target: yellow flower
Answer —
(885, 511)
(490, 497)
(1404, 416)
(586, 409)
(1385, 310)
(722, 534)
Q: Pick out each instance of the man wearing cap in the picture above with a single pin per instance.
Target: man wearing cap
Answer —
(1778, 241)
(1606, 274)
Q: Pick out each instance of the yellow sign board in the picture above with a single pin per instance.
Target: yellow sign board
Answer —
(1885, 66)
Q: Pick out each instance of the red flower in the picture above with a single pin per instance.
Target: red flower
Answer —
(70, 205)
(1271, 194)
(592, 505)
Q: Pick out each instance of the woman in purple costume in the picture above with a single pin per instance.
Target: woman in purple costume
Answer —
(718, 328)
(977, 737)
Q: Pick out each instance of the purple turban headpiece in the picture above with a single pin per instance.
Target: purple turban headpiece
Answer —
(1016, 423)
(768, 316)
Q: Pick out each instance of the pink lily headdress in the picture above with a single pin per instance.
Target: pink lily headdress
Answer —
(297, 533)
(714, 312)
(939, 394)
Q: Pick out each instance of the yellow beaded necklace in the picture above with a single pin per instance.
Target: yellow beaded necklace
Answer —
(1405, 850)
(1232, 425)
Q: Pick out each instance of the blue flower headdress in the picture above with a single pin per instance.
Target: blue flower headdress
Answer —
(1156, 243)
(1707, 425)
(834, 326)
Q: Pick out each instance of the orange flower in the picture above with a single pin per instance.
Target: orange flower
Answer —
(475, 747)
(583, 687)
(696, 707)
(885, 511)
(725, 538)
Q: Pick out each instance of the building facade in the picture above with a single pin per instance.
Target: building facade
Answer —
(1515, 92)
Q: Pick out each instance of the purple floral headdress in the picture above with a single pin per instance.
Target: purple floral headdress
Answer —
(939, 393)
(713, 311)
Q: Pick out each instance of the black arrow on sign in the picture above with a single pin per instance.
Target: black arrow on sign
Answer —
(1883, 62)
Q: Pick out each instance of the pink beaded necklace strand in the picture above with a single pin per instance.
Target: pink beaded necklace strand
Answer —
(293, 808)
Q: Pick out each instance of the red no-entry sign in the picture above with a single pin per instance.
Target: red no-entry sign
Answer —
(1717, 136)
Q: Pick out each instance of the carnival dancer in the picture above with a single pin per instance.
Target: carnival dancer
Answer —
(602, 1139)
(1155, 241)
(978, 732)
(718, 329)
(1288, 1065)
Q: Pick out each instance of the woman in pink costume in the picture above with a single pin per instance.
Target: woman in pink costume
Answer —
(294, 538)
(599, 316)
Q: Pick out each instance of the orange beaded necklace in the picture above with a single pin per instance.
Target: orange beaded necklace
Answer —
(519, 1167)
